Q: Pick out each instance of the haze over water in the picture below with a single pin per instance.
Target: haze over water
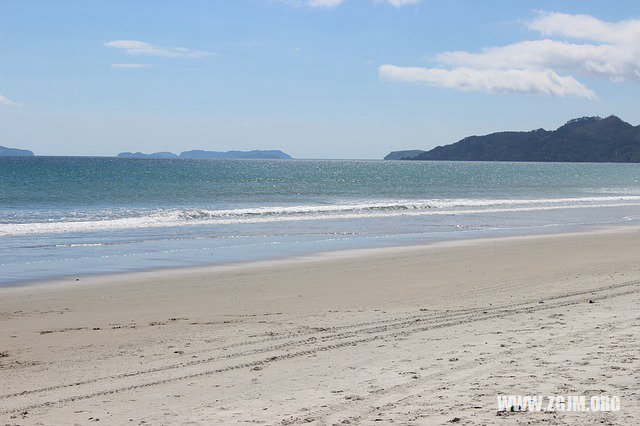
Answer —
(99, 215)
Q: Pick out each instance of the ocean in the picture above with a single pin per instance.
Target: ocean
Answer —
(71, 216)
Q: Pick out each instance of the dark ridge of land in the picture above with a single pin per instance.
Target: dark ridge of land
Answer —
(14, 152)
(199, 154)
(407, 154)
(586, 139)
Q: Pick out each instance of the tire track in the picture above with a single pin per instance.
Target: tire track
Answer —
(310, 340)
(384, 399)
(378, 325)
(349, 338)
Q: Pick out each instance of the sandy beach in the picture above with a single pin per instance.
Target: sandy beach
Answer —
(414, 335)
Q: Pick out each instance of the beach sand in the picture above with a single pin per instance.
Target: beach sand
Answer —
(414, 335)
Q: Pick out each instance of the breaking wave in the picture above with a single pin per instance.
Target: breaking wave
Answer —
(190, 217)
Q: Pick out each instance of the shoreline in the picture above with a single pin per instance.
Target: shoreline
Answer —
(77, 280)
(408, 334)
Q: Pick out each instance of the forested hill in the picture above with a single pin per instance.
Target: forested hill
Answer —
(587, 139)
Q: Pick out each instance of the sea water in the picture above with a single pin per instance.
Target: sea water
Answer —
(68, 216)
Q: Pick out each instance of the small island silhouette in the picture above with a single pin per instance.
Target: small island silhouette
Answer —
(199, 154)
(14, 152)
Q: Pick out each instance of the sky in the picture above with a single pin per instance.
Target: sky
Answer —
(313, 78)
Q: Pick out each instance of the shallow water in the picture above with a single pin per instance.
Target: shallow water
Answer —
(76, 215)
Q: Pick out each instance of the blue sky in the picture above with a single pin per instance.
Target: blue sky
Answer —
(314, 78)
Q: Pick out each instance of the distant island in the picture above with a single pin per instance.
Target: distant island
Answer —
(14, 152)
(199, 154)
(258, 154)
(586, 139)
(403, 155)
(143, 155)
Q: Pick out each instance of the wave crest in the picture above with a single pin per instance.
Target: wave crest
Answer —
(185, 217)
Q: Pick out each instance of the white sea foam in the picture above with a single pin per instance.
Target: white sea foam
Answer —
(191, 217)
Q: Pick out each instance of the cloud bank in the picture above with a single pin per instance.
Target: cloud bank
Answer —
(141, 48)
(545, 66)
(511, 80)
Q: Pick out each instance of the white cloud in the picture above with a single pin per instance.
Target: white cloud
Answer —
(141, 48)
(534, 66)
(334, 3)
(324, 3)
(512, 81)
(131, 65)
(587, 28)
(6, 101)
(617, 63)
(399, 3)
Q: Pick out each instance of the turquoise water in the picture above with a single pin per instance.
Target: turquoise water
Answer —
(75, 215)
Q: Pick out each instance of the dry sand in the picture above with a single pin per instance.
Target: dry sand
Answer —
(418, 335)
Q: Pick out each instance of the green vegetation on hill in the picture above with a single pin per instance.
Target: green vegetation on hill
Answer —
(587, 139)
(403, 155)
